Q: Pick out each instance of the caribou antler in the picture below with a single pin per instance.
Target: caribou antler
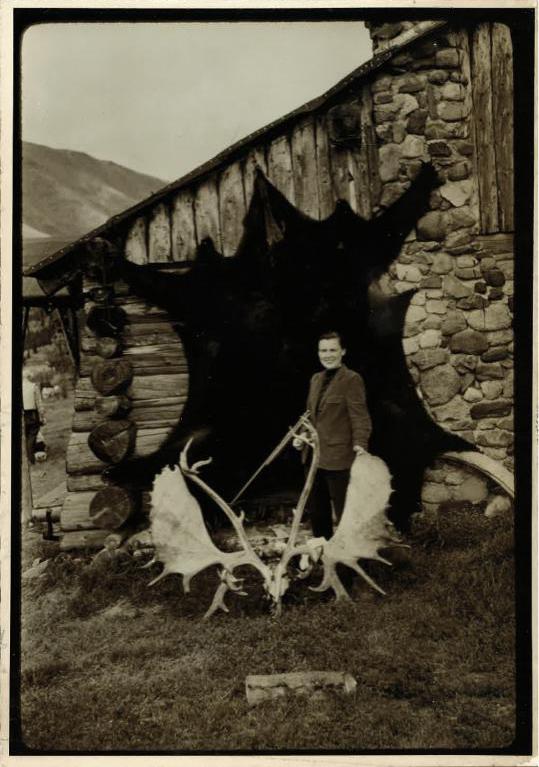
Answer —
(363, 528)
(183, 544)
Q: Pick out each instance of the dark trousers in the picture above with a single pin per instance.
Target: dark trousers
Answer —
(31, 429)
(329, 489)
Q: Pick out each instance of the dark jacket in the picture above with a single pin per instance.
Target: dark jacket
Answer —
(342, 420)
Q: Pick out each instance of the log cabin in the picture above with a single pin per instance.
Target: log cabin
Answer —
(432, 93)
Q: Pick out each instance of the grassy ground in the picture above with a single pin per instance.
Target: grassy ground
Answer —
(46, 476)
(109, 664)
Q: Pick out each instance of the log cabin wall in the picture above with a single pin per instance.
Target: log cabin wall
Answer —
(151, 401)
(449, 99)
(434, 101)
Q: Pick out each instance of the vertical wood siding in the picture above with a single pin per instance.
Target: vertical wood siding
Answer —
(159, 235)
(184, 241)
(256, 158)
(302, 163)
(280, 166)
(303, 146)
(207, 212)
(326, 198)
(231, 208)
(135, 244)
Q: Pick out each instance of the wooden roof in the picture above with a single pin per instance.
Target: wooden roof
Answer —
(230, 154)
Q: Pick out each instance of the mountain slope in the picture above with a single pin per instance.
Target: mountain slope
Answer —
(66, 193)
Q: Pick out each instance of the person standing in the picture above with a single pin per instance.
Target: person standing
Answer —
(33, 414)
(338, 410)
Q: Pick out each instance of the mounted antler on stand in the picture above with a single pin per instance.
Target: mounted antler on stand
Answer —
(182, 542)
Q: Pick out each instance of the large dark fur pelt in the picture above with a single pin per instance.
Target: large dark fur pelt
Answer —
(250, 325)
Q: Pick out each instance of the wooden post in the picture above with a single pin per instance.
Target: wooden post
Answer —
(484, 128)
(502, 106)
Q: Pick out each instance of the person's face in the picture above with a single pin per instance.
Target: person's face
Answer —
(330, 353)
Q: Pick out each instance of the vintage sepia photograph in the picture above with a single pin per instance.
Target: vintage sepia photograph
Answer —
(272, 279)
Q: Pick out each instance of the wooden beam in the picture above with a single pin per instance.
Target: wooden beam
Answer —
(75, 514)
(303, 147)
(502, 107)
(135, 243)
(83, 482)
(142, 388)
(280, 167)
(184, 243)
(83, 539)
(207, 212)
(81, 460)
(326, 198)
(159, 244)
(231, 208)
(484, 128)
(150, 417)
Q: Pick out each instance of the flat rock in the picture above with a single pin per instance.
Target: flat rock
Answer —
(492, 389)
(456, 192)
(429, 339)
(452, 111)
(472, 395)
(499, 504)
(454, 288)
(432, 226)
(489, 371)
(390, 157)
(456, 409)
(495, 317)
(413, 146)
(440, 384)
(263, 687)
(429, 358)
(468, 342)
(492, 409)
(473, 489)
(454, 322)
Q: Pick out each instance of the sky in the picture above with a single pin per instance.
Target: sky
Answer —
(164, 98)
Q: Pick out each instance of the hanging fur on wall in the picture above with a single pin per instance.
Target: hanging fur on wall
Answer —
(250, 324)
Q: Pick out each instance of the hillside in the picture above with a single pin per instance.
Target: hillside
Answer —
(66, 194)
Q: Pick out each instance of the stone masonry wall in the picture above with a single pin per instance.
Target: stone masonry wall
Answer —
(458, 340)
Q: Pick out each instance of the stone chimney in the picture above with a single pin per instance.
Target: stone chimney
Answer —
(388, 34)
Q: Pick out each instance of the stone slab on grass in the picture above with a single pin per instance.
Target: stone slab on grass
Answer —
(263, 687)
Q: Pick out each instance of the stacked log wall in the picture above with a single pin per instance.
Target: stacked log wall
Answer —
(156, 395)
(436, 102)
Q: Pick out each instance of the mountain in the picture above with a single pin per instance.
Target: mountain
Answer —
(66, 194)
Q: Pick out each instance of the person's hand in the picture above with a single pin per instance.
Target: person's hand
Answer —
(297, 443)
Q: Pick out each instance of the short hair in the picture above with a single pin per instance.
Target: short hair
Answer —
(331, 334)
